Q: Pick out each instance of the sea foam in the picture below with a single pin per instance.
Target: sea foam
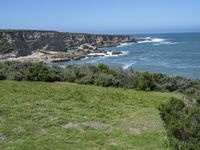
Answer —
(151, 40)
(128, 65)
(125, 44)
(108, 54)
(156, 41)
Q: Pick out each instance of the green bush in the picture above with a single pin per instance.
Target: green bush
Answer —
(105, 80)
(14, 70)
(2, 74)
(68, 75)
(103, 68)
(41, 72)
(100, 75)
(88, 79)
(17, 76)
(145, 82)
(182, 123)
(127, 78)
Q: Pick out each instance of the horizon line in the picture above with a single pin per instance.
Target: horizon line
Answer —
(95, 32)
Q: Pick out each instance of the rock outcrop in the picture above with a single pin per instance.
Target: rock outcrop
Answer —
(25, 42)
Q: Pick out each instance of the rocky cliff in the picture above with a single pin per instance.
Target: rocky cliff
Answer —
(24, 42)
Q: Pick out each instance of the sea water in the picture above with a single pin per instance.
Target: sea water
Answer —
(171, 54)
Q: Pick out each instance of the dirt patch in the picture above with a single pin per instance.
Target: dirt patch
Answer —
(142, 123)
(19, 129)
(95, 125)
(3, 139)
(72, 125)
(113, 142)
(51, 118)
(134, 131)
(79, 126)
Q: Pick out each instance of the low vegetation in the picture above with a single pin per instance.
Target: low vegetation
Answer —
(38, 115)
(100, 75)
(182, 121)
(181, 117)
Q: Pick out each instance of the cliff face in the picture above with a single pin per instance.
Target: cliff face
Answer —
(24, 41)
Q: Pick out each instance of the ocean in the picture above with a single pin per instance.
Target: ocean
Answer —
(171, 54)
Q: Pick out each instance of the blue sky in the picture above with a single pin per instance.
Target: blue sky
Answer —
(102, 16)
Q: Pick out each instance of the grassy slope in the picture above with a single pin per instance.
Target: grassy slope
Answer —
(33, 116)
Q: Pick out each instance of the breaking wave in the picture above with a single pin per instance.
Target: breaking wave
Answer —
(108, 54)
(156, 41)
(125, 44)
(128, 65)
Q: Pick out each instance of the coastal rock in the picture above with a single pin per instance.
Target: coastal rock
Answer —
(116, 53)
(87, 47)
(52, 46)
(24, 42)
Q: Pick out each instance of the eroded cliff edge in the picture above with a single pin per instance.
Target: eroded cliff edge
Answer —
(25, 42)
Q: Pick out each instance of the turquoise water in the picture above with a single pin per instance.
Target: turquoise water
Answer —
(172, 54)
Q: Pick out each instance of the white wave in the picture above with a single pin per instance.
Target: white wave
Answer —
(96, 54)
(125, 44)
(128, 65)
(125, 52)
(165, 43)
(156, 41)
(86, 58)
(151, 40)
(169, 43)
(108, 54)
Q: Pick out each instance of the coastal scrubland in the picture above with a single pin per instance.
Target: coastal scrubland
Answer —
(100, 75)
(129, 110)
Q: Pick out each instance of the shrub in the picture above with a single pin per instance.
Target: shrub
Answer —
(101, 75)
(69, 75)
(105, 80)
(2, 74)
(15, 70)
(88, 79)
(103, 68)
(126, 78)
(93, 68)
(84, 71)
(40, 72)
(55, 73)
(145, 82)
(17, 76)
(182, 123)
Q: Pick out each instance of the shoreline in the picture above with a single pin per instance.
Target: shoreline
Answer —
(52, 46)
(83, 51)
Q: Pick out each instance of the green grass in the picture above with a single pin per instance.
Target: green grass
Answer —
(40, 116)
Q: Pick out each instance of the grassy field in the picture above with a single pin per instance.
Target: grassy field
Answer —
(40, 116)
